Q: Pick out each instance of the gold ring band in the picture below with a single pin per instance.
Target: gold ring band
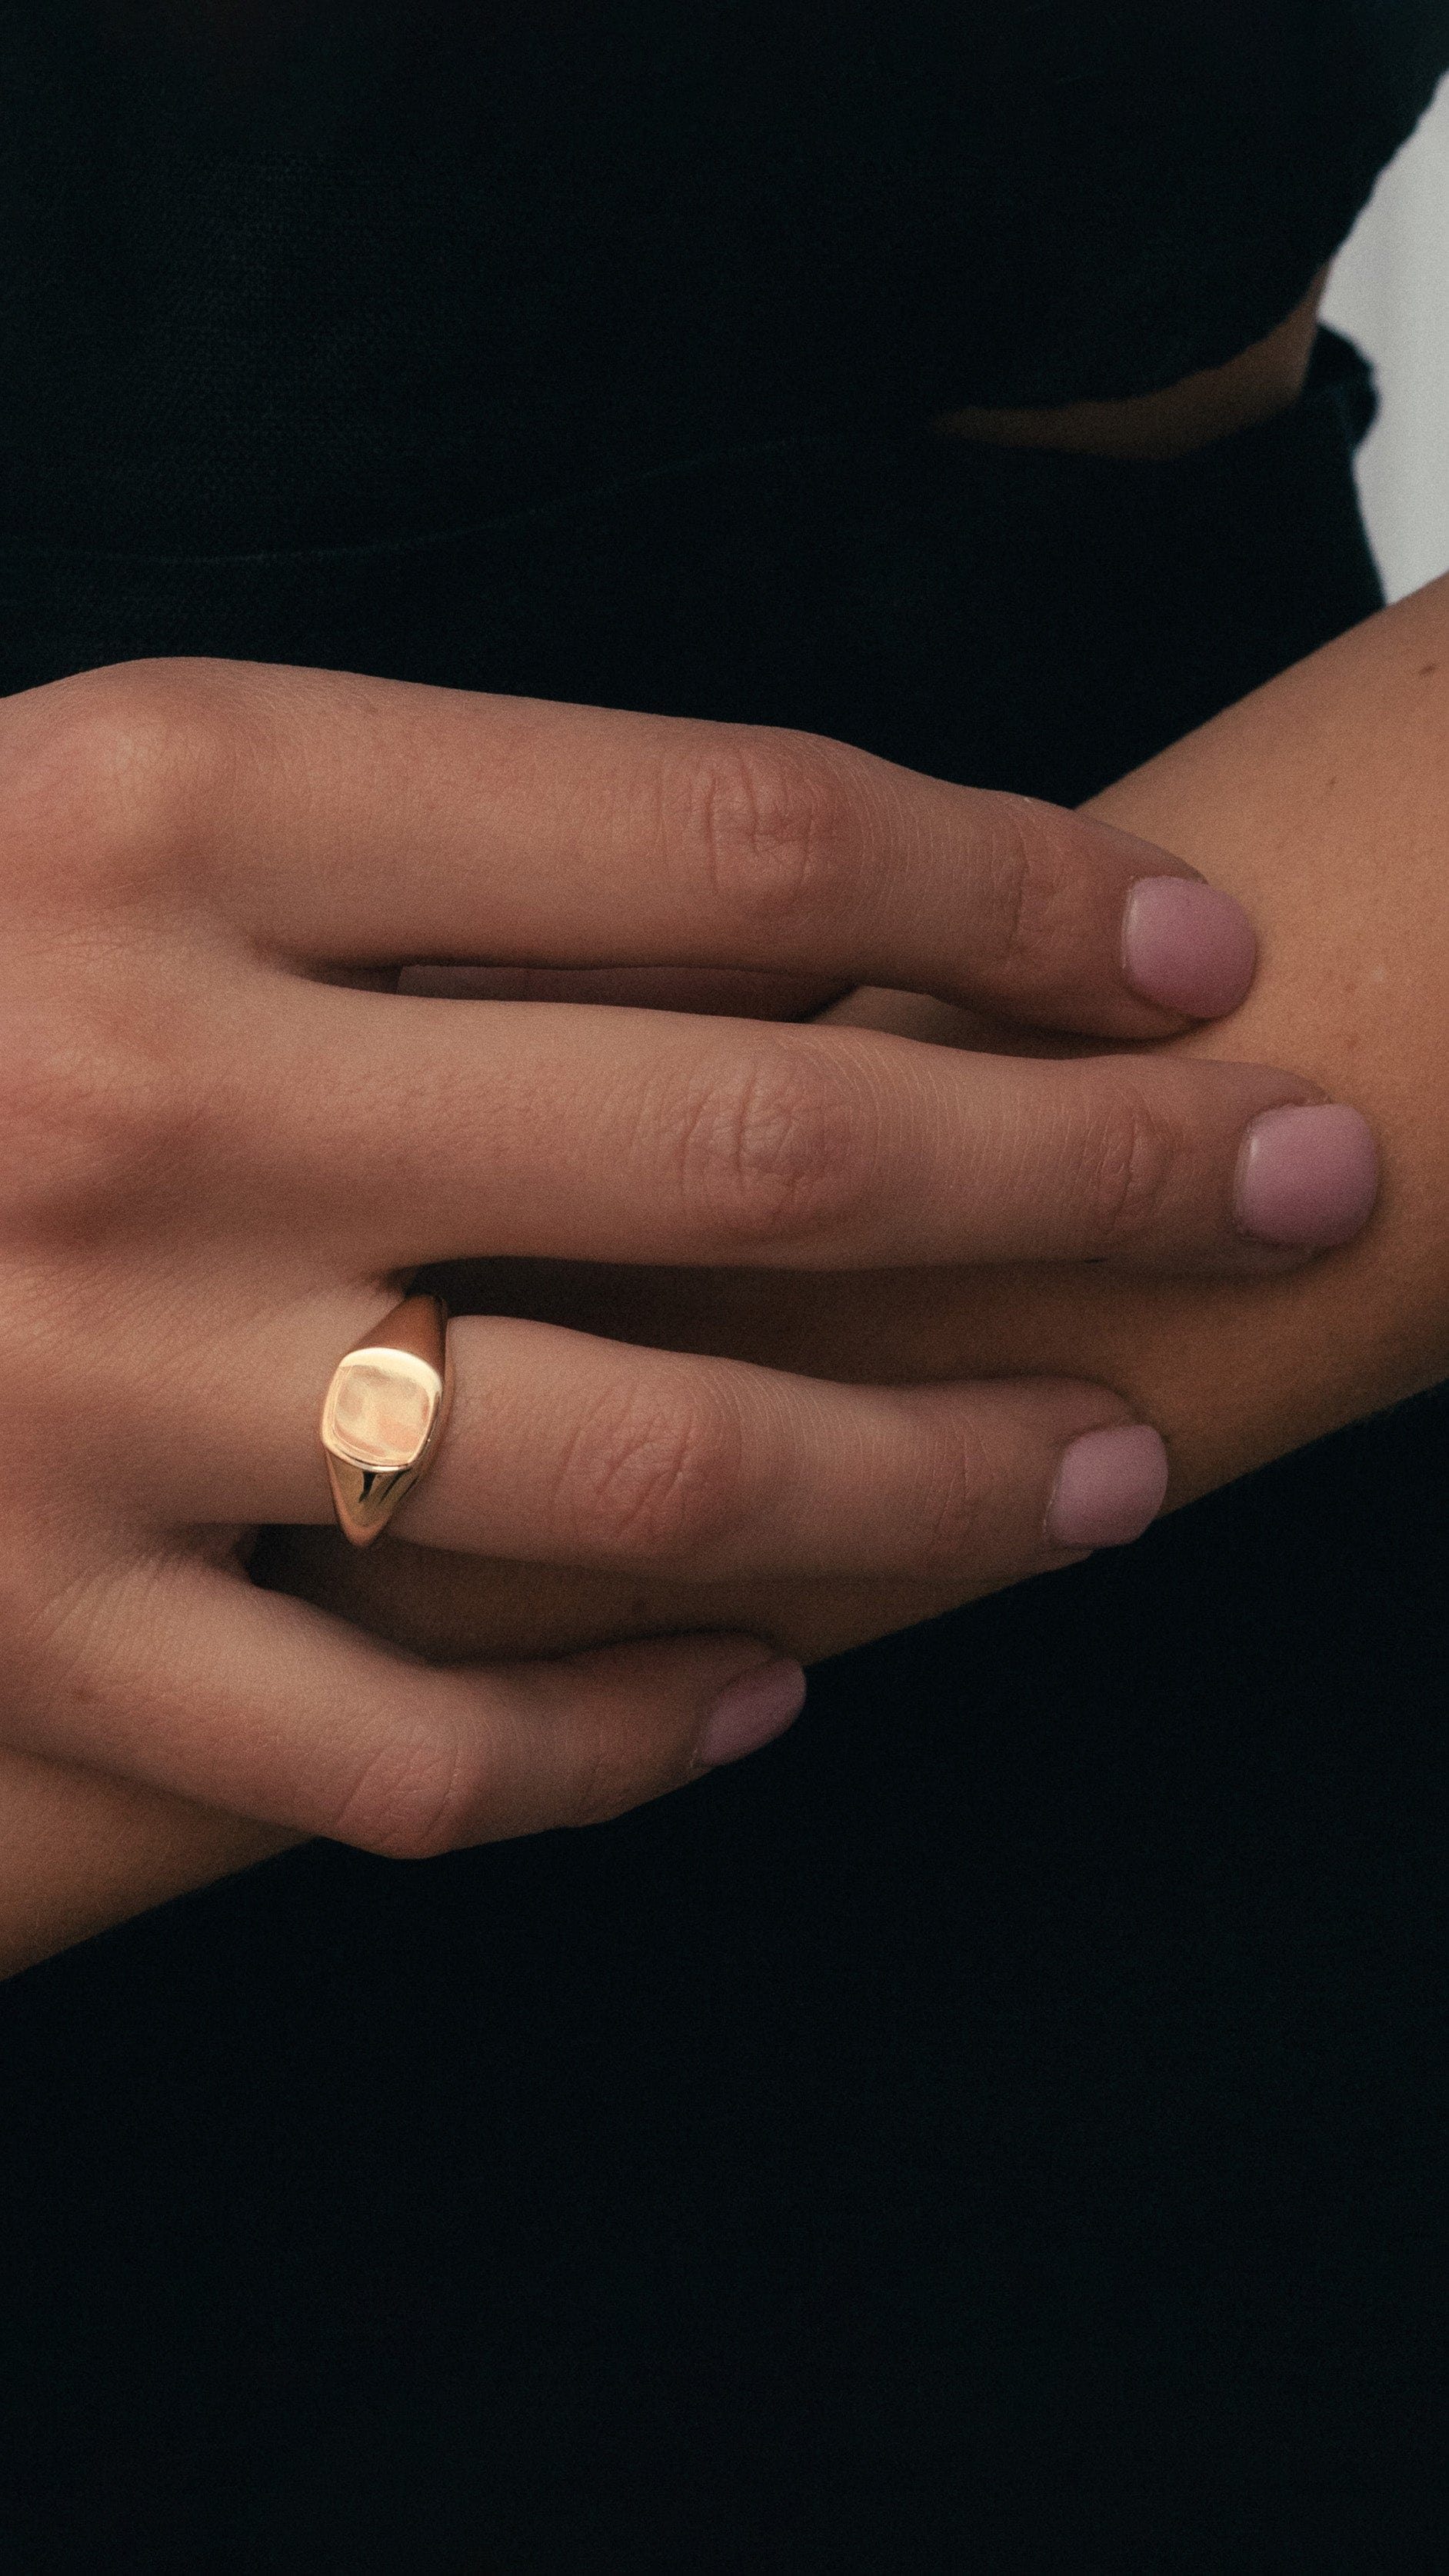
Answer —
(384, 1415)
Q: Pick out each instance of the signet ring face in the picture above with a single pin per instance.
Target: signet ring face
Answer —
(384, 1415)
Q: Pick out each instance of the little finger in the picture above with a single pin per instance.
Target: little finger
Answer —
(191, 1680)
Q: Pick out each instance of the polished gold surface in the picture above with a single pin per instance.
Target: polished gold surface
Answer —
(384, 1415)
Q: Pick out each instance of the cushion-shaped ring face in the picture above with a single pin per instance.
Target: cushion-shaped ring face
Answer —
(382, 1409)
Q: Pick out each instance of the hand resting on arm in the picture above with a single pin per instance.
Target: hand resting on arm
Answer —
(229, 1138)
(1321, 802)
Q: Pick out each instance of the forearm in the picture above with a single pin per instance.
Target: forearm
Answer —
(1324, 803)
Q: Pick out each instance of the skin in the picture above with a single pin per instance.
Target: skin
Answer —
(1320, 801)
(1232, 1372)
(1212, 404)
(212, 1186)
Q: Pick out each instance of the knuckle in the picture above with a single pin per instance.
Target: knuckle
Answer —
(769, 826)
(1129, 1163)
(92, 1121)
(1006, 883)
(608, 1780)
(57, 1637)
(781, 1144)
(1024, 882)
(448, 1787)
(658, 1479)
(415, 1798)
(106, 775)
(956, 1509)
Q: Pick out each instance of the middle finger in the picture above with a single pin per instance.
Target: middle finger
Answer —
(400, 1131)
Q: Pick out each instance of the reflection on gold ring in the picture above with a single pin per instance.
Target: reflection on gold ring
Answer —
(384, 1415)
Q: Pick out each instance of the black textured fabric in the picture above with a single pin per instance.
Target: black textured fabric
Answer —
(976, 612)
(397, 264)
(1000, 2128)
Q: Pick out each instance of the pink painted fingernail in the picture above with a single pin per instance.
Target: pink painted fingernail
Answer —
(1187, 946)
(750, 1713)
(1110, 1486)
(1307, 1177)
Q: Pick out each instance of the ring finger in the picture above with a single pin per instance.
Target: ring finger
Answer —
(565, 1449)
(569, 1450)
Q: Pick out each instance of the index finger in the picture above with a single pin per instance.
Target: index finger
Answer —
(376, 821)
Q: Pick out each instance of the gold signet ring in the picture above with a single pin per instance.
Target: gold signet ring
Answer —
(384, 1415)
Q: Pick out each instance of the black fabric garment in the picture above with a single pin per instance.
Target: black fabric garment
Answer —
(970, 611)
(397, 265)
(998, 2128)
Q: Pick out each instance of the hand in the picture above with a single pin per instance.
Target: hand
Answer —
(227, 1143)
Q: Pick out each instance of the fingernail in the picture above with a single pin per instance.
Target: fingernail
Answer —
(1187, 946)
(750, 1713)
(1110, 1486)
(1307, 1177)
